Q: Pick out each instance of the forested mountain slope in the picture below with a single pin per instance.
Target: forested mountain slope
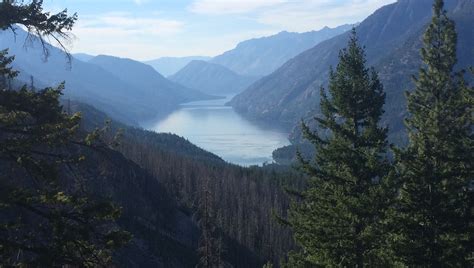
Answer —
(211, 78)
(164, 234)
(391, 36)
(60, 187)
(262, 56)
(244, 200)
(149, 213)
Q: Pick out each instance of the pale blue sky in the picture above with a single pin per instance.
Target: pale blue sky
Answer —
(147, 29)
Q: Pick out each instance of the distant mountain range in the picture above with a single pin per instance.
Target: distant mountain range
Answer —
(235, 70)
(170, 65)
(392, 37)
(211, 78)
(146, 78)
(113, 91)
(83, 56)
(262, 56)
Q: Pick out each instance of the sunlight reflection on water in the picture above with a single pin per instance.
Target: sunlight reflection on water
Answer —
(219, 129)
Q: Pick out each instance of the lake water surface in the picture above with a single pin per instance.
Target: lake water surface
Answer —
(219, 129)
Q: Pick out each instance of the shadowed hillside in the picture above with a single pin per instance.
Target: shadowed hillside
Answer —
(392, 37)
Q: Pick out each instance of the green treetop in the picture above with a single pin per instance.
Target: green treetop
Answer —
(336, 222)
(433, 216)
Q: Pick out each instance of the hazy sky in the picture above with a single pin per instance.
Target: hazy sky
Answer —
(147, 29)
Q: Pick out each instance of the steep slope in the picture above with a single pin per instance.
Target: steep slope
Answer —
(170, 65)
(262, 56)
(392, 37)
(237, 194)
(87, 82)
(211, 78)
(149, 213)
(163, 234)
(143, 76)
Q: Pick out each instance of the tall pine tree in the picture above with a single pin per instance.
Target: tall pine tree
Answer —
(336, 221)
(433, 216)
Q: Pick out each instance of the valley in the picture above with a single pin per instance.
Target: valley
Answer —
(221, 134)
(218, 129)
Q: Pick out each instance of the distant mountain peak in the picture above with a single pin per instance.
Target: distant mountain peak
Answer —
(170, 65)
(211, 78)
(262, 56)
(392, 36)
(83, 56)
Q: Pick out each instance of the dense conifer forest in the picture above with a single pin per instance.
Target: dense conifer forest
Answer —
(80, 190)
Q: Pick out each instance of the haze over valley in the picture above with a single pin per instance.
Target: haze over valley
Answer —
(236, 133)
(136, 93)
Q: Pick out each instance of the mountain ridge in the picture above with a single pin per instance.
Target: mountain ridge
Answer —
(86, 82)
(83, 56)
(211, 78)
(170, 65)
(148, 79)
(261, 56)
(292, 92)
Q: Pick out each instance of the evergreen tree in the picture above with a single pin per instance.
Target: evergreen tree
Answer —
(47, 218)
(336, 221)
(39, 23)
(433, 216)
(6, 72)
(210, 243)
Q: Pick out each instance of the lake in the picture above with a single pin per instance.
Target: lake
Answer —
(219, 129)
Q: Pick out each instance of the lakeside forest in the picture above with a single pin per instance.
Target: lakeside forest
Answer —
(379, 172)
